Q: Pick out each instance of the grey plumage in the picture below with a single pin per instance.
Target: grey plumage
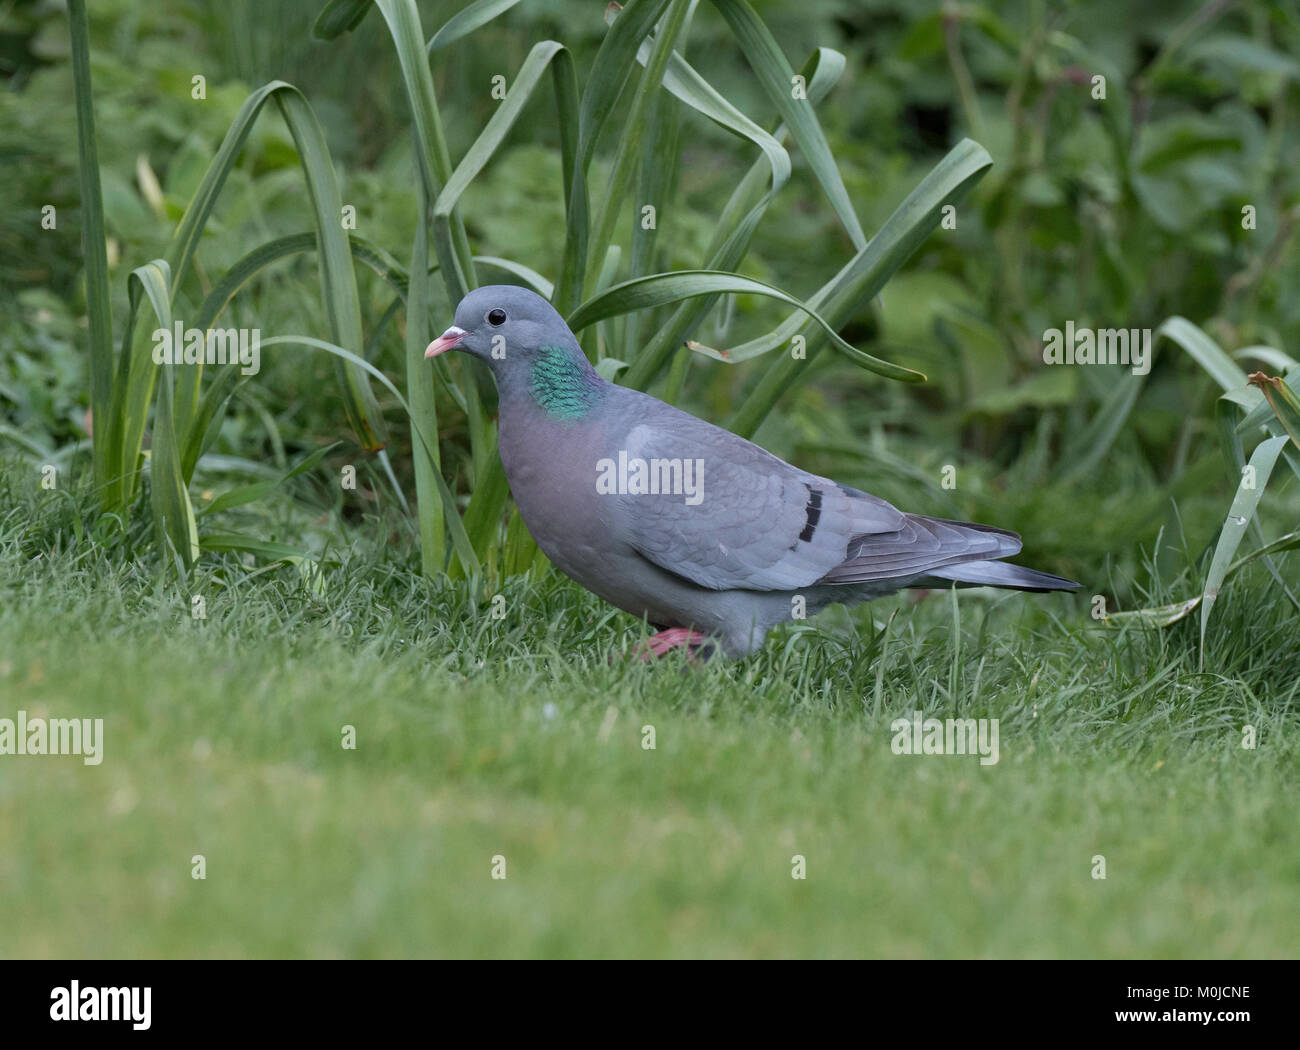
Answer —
(740, 534)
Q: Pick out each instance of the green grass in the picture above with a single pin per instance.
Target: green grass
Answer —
(479, 737)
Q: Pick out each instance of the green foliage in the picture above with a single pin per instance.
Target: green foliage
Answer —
(1270, 418)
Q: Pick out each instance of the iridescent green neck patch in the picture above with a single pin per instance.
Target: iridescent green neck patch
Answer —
(562, 385)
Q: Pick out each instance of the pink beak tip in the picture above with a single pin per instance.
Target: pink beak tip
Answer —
(447, 341)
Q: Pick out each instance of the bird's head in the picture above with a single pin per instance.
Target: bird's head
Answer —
(501, 324)
(525, 342)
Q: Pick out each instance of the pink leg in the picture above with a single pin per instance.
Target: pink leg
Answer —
(666, 641)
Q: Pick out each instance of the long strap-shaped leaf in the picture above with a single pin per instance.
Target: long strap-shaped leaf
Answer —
(338, 284)
(547, 54)
(862, 278)
(1166, 615)
(775, 74)
(620, 179)
(431, 153)
(1239, 516)
(337, 281)
(747, 205)
(644, 293)
(450, 245)
(95, 246)
(173, 514)
(215, 393)
(1204, 351)
(464, 22)
(610, 71)
(419, 386)
(489, 478)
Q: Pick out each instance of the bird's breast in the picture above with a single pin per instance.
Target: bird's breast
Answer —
(552, 470)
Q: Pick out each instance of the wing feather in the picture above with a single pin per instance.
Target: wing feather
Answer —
(754, 522)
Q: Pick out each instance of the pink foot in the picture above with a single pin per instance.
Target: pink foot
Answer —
(666, 641)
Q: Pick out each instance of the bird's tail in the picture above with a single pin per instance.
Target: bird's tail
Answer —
(1001, 574)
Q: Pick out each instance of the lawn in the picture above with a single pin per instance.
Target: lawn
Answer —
(522, 738)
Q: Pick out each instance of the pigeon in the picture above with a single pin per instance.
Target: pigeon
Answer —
(705, 536)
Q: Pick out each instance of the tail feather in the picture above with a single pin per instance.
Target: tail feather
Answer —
(1002, 574)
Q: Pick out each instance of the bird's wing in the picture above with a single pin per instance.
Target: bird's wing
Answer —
(742, 519)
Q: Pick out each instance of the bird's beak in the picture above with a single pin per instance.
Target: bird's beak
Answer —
(447, 341)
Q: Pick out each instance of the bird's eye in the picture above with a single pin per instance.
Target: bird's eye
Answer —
(496, 318)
